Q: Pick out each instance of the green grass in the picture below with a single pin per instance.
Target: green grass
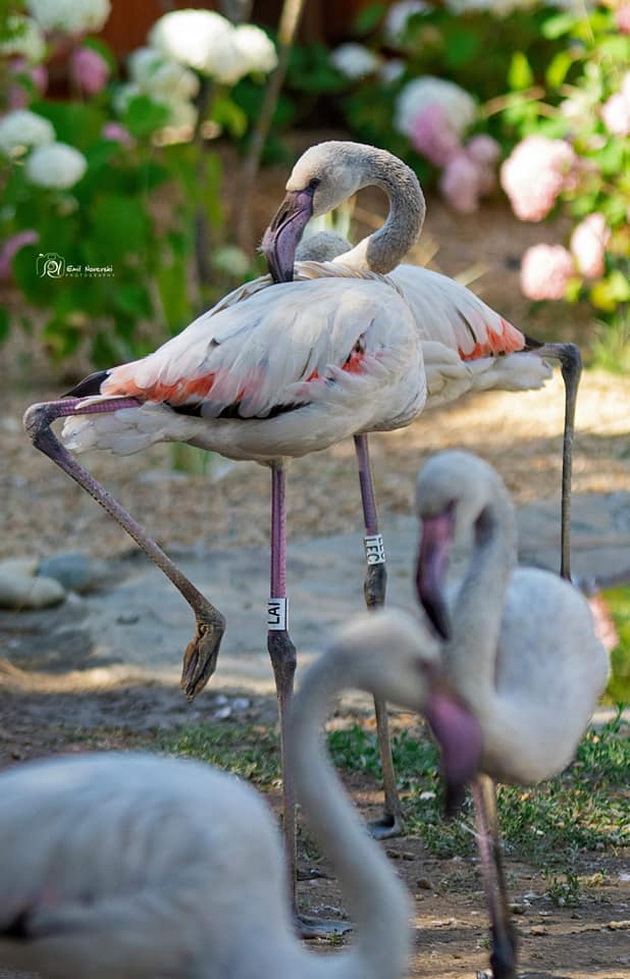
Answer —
(253, 753)
(618, 601)
(584, 809)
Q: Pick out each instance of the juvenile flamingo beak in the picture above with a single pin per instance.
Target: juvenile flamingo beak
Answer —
(285, 231)
(458, 734)
(437, 534)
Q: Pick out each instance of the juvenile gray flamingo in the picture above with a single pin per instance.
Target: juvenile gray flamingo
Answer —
(133, 866)
(519, 647)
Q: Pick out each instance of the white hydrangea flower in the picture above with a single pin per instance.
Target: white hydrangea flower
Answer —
(397, 17)
(28, 42)
(391, 70)
(70, 16)
(500, 8)
(155, 75)
(22, 129)
(201, 39)
(256, 49)
(355, 60)
(457, 105)
(55, 165)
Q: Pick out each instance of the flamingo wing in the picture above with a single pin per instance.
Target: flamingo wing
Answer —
(263, 353)
(449, 313)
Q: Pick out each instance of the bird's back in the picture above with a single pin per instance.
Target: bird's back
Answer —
(550, 672)
(131, 866)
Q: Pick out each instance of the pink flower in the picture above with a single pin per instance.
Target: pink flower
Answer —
(545, 272)
(433, 135)
(461, 183)
(622, 16)
(27, 82)
(118, 134)
(536, 171)
(484, 151)
(588, 244)
(10, 248)
(89, 70)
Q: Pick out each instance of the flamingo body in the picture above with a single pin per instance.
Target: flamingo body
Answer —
(523, 653)
(285, 371)
(131, 866)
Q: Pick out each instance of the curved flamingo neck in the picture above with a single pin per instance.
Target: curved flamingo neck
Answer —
(384, 250)
(471, 652)
(376, 898)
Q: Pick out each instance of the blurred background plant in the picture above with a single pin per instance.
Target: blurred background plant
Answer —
(553, 100)
(114, 185)
(123, 167)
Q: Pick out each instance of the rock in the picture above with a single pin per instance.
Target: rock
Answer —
(19, 565)
(23, 591)
(74, 570)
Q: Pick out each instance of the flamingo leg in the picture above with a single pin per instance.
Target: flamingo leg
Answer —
(283, 660)
(503, 955)
(390, 823)
(571, 367)
(200, 656)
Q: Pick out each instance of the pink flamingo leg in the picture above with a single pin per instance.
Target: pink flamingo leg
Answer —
(503, 955)
(200, 656)
(282, 652)
(390, 823)
(283, 660)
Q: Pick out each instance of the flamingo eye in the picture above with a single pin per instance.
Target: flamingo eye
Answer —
(314, 183)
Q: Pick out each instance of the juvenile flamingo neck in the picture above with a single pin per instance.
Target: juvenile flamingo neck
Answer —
(384, 250)
(377, 900)
(471, 652)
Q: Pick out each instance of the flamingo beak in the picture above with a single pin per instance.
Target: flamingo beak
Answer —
(283, 234)
(432, 561)
(458, 734)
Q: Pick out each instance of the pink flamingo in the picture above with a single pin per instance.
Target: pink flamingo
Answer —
(268, 374)
(466, 346)
(520, 647)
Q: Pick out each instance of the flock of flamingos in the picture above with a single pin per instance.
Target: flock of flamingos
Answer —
(129, 866)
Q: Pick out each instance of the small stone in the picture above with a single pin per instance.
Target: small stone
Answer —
(74, 570)
(424, 884)
(21, 591)
(19, 565)
(539, 930)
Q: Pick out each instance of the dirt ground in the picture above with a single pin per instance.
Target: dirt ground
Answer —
(519, 433)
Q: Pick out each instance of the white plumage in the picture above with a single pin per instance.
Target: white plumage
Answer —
(127, 866)
(523, 651)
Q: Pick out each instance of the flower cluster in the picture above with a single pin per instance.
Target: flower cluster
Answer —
(435, 115)
(535, 173)
(582, 168)
(207, 42)
(49, 163)
(69, 16)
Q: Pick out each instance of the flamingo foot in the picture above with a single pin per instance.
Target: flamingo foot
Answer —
(386, 827)
(200, 655)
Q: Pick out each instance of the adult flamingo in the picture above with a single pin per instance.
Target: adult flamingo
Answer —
(519, 646)
(466, 346)
(131, 865)
(267, 374)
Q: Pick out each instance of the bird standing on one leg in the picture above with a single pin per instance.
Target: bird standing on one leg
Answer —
(519, 647)
(466, 345)
(267, 374)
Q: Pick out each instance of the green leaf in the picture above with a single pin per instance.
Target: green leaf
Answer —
(75, 123)
(227, 114)
(520, 74)
(462, 46)
(558, 68)
(120, 226)
(4, 324)
(143, 116)
(368, 19)
(557, 25)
